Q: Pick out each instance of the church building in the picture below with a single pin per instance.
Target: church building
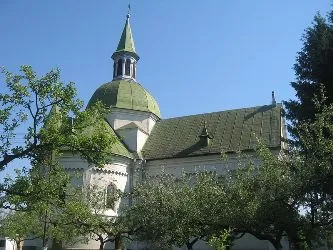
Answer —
(147, 144)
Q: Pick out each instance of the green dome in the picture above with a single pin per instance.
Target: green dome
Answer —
(125, 94)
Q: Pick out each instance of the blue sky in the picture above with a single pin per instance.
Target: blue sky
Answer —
(196, 56)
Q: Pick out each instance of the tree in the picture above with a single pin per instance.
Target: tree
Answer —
(311, 117)
(41, 109)
(313, 69)
(18, 227)
(315, 172)
(25, 104)
(43, 205)
(262, 198)
(97, 222)
(176, 211)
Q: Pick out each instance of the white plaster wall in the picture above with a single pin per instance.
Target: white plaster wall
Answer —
(215, 163)
(116, 172)
(119, 118)
(141, 140)
(85, 175)
(177, 166)
(10, 244)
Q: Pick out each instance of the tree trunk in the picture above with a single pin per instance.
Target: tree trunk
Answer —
(101, 242)
(278, 245)
(56, 245)
(101, 245)
(18, 245)
(45, 244)
(189, 246)
(118, 243)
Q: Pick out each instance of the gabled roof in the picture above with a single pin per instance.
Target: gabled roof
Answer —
(231, 131)
(118, 147)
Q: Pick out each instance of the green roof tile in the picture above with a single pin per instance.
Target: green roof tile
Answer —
(126, 42)
(125, 94)
(117, 147)
(231, 131)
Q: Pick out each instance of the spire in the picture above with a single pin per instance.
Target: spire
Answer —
(125, 57)
(126, 42)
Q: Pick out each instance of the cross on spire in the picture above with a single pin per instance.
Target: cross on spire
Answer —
(129, 11)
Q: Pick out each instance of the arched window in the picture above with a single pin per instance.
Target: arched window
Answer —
(111, 196)
(134, 70)
(128, 67)
(120, 67)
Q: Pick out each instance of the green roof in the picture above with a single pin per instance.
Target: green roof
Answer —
(126, 42)
(231, 131)
(126, 94)
(117, 148)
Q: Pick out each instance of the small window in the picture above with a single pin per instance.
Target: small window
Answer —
(128, 67)
(120, 67)
(111, 196)
(2, 243)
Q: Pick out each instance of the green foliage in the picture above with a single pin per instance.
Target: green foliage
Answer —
(40, 109)
(313, 69)
(18, 226)
(175, 211)
(44, 106)
(221, 241)
(43, 202)
(261, 197)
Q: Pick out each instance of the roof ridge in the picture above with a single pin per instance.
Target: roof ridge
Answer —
(279, 105)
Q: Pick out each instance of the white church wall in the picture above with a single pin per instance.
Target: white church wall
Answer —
(141, 140)
(84, 175)
(177, 166)
(116, 173)
(214, 163)
(7, 244)
(134, 138)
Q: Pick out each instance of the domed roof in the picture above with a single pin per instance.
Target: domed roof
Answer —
(125, 94)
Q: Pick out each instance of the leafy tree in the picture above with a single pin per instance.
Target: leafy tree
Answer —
(25, 104)
(40, 109)
(315, 172)
(262, 198)
(313, 69)
(19, 227)
(176, 211)
(43, 203)
(222, 241)
(97, 221)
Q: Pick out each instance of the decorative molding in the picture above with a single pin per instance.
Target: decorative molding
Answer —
(102, 170)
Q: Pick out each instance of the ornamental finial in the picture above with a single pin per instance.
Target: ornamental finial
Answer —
(129, 11)
(273, 98)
